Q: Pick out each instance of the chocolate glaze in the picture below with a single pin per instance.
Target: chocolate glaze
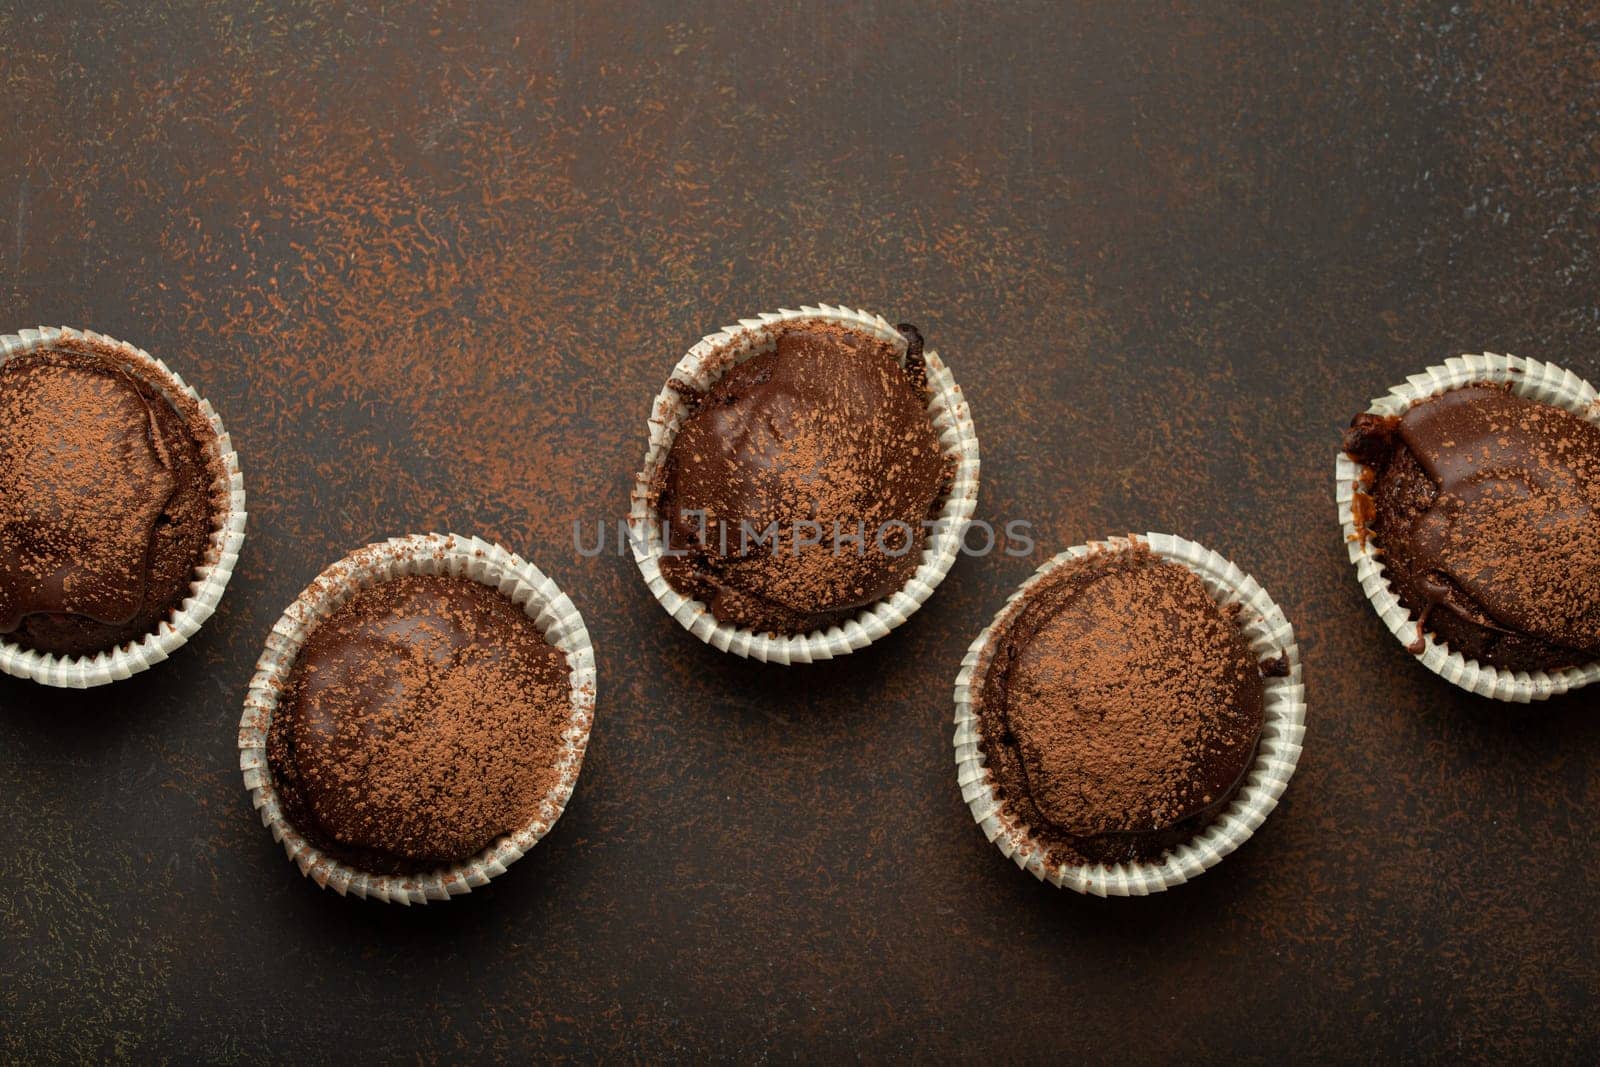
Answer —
(1486, 507)
(1120, 709)
(421, 721)
(829, 428)
(107, 499)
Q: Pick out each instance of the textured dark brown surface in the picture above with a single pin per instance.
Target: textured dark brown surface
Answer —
(432, 265)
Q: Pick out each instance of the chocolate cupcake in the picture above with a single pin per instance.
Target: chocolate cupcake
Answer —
(121, 509)
(1471, 499)
(809, 477)
(1130, 716)
(426, 725)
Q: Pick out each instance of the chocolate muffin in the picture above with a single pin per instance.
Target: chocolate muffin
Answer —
(800, 488)
(421, 721)
(1486, 507)
(1119, 708)
(110, 488)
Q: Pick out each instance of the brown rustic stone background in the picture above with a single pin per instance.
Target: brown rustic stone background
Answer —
(431, 264)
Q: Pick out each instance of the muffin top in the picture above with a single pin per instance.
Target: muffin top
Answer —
(108, 498)
(1486, 506)
(421, 720)
(796, 491)
(1120, 708)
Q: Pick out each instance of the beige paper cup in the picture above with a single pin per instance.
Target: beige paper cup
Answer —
(1283, 729)
(703, 365)
(420, 554)
(1530, 378)
(211, 577)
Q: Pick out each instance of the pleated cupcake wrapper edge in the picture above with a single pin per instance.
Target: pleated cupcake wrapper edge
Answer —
(707, 361)
(1269, 634)
(422, 554)
(211, 581)
(1530, 378)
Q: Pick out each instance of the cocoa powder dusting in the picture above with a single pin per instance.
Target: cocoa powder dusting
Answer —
(107, 498)
(1121, 707)
(422, 720)
(1487, 508)
(826, 440)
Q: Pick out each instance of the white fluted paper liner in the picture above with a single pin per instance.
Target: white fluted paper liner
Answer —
(1269, 635)
(1529, 378)
(420, 554)
(704, 364)
(211, 577)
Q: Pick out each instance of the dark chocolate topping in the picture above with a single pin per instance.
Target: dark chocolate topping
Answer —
(1487, 508)
(1120, 709)
(828, 429)
(421, 721)
(107, 499)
